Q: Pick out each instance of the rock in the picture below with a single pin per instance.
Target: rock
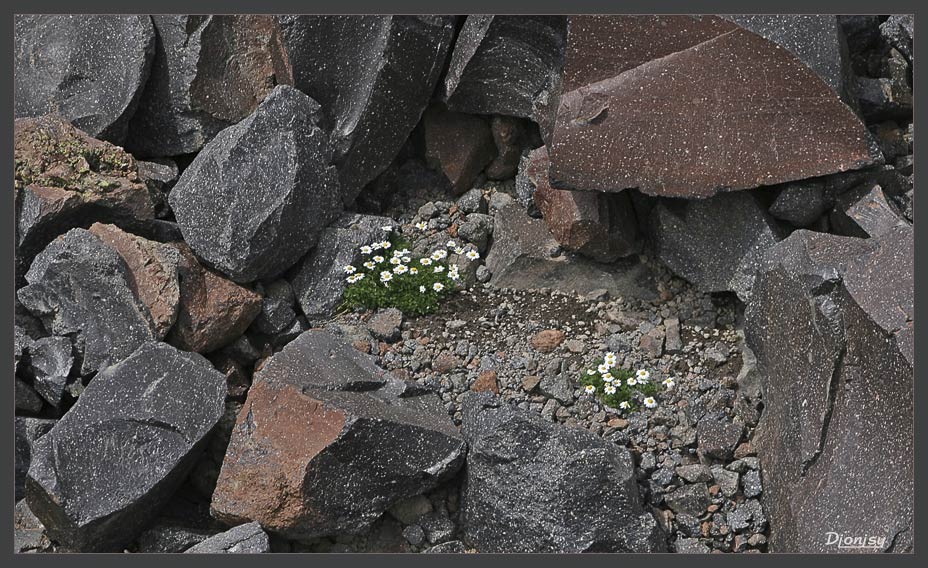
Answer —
(899, 30)
(458, 145)
(437, 526)
(165, 538)
(51, 360)
(548, 340)
(528, 489)
(885, 98)
(80, 287)
(373, 76)
(327, 442)
(694, 473)
(319, 281)
(26, 432)
(155, 407)
(530, 382)
(249, 538)
(509, 134)
(726, 480)
(152, 270)
(25, 398)
(409, 510)
(838, 406)
(90, 69)
(747, 514)
(385, 325)
(213, 311)
(506, 65)
(718, 436)
(450, 547)
(801, 203)
(486, 382)
(662, 66)
(28, 532)
(865, 212)
(209, 72)
(689, 499)
(477, 229)
(160, 173)
(652, 343)
(714, 243)
(525, 255)
(751, 485)
(599, 226)
(473, 201)
(277, 313)
(250, 220)
(414, 535)
(690, 546)
(673, 341)
(557, 387)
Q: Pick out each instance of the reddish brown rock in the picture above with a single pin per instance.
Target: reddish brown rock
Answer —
(548, 340)
(152, 271)
(459, 145)
(486, 381)
(600, 226)
(213, 310)
(685, 106)
(445, 362)
(509, 134)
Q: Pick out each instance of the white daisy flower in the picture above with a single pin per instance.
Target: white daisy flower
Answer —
(350, 269)
(407, 259)
(604, 368)
(378, 259)
(669, 383)
(624, 405)
(609, 389)
(396, 260)
(459, 250)
(376, 246)
(421, 225)
(453, 274)
(610, 359)
(438, 286)
(472, 254)
(591, 372)
(414, 270)
(400, 269)
(369, 265)
(608, 377)
(439, 254)
(350, 279)
(451, 244)
(387, 228)
(422, 289)
(642, 375)
(439, 269)
(650, 402)
(385, 245)
(358, 277)
(631, 381)
(385, 276)
(366, 249)
(425, 261)
(590, 389)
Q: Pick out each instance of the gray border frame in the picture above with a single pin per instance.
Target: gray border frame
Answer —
(433, 6)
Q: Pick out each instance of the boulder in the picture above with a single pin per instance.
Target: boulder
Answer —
(105, 469)
(80, 287)
(373, 76)
(255, 199)
(634, 112)
(801, 203)
(458, 145)
(277, 308)
(25, 399)
(714, 243)
(836, 438)
(899, 30)
(327, 442)
(319, 281)
(208, 73)
(50, 361)
(26, 432)
(865, 212)
(249, 538)
(537, 486)
(525, 255)
(213, 311)
(88, 68)
(507, 65)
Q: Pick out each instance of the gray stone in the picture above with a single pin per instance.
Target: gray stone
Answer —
(865, 212)
(25, 397)
(437, 526)
(249, 538)
(91, 69)
(414, 535)
(51, 361)
(751, 485)
(748, 514)
(691, 546)
(718, 436)
(319, 282)
(159, 173)
(409, 510)
(726, 480)
(477, 229)
(256, 198)
(277, 309)
(801, 203)
(450, 547)
(373, 76)
(27, 431)
(899, 31)
(385, 325)
(28, 531)
(673, 342)
(80, 287)
(528, 486)
(170, 539)
(473, 201)
(689, 525)
(694, 473)
(105, 469)
(688, 499)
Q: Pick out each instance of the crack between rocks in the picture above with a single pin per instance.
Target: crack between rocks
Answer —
(830, 394)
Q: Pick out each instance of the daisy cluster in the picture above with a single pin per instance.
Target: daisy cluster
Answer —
(619, 388)
(388, 274)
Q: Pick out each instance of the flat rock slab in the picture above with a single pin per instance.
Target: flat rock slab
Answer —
(687, 106)
(255, 199)
(373, 76)
(327, 442)
(102, 473)
(80, 287)
(249, 538)
(208, 73)
(535, 486)
(90, 69)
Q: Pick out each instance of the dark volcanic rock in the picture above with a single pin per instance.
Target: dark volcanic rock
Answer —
(277, 308)
(899, 31)
(327, 442)
(105, 469)
(689, 499)
(535, 486)
(258, 195)
(373, 76)
(718, 436)
(27, 431)
(249, 538)
(320, 280)
(509, 135)
(801, 203)
(80, 287)
(634, 110)
(25, 398)
(51, 359)
(90, 69)
(209, 72)
(836, 436)
(505, 64)
(865, 212)
(458, 145)
(714, 243)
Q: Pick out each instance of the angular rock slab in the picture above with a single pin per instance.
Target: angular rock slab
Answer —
(51, 359)
(714, 243)
(507, 65)
(80, 287)
(208, 73)
(458, 145)
(327, 442)
(865, 212)
(836, 437)
(535, 486)
(249, 538)
(26, 432)
(373, 76)
(102, 473)
(255, 199)
(90, 69)
(687, 106)
(320, 280)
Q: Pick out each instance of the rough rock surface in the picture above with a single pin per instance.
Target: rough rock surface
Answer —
(320, 279)
(107, 466)
(836, 436)
(90, 69)
(373, 76)
(26, 432)
(327, 441)
(635, 91)
(801, 203)
(255, 199)
(209, 72)
(714, 243)
(249, 538)
(899, 31)
(516, 460)
(50, 362)
(81, 288)
(865, 212)
(458, 145)
(507, 65)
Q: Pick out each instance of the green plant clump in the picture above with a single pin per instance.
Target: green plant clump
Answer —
(619, 388)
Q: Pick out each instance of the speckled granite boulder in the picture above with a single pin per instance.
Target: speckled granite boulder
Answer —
(249, 538)
(102, 473)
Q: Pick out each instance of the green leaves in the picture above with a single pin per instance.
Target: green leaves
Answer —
(611, 386)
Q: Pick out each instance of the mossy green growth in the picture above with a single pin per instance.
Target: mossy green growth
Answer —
(616, 387)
